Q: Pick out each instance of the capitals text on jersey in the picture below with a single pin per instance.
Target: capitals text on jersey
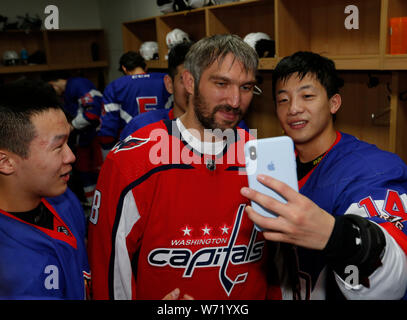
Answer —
(213, 256)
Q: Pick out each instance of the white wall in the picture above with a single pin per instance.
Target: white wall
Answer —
(73, 14)
(113, 14)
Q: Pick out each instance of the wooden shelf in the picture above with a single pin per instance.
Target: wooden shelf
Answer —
(268, 63)
(157, 64)
(47, 67)
(63, 49)
(357, 62)
(24, 68)
(318, 26)
(314, 25)
(395, 62)
(198, 23)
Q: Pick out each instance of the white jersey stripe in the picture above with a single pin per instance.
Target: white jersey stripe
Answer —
(122, 264)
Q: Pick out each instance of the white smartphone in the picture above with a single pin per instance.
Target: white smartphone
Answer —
(274, 157)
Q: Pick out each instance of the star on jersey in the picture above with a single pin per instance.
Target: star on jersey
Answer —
(225, 230)
(186, 231)
(206, 230)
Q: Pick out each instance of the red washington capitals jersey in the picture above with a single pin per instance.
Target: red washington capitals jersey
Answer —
(162, 220)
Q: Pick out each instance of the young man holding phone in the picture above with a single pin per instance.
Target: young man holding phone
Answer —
(349, 217)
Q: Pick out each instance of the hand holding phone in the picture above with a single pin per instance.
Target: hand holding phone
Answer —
(274, 157)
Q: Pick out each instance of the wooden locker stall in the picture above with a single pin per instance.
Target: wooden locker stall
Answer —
(372, 109)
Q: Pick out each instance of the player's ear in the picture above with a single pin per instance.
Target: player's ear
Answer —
(7, 162)
(188, 81)
(168, 84)
(335, 103)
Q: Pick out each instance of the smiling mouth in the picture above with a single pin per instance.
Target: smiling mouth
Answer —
(66, 176)
(298, 124)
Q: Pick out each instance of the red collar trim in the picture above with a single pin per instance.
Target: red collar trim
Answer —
(171, 114)
(58, 222)
(302, 182)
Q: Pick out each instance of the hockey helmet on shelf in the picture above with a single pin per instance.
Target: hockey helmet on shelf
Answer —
(262, 43)
(176, 36)
(149, 50)
(10, 58)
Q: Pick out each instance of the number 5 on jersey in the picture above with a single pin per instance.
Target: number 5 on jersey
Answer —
(144, 102)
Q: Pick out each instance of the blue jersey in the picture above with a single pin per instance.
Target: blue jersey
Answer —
(84, 104)
(39, 263)
(129, 96)
(355, 177)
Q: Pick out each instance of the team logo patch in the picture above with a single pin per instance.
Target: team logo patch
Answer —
(222, 256)
(63, 230)
(86, 99)
(129, 143)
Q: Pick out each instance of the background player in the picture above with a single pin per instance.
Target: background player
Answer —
(157, 225)
(83, 104)
(42, 224)
(132, 94)
(174, 85)
(351, 209)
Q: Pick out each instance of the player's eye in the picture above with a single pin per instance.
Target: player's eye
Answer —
(248, 87)
(282, 100)
(308, 96)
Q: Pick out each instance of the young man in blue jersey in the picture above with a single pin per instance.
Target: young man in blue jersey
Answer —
(42, 224)
(174, 85)
(124, 98)
(349, 219)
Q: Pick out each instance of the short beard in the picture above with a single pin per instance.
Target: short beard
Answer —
(207, 120)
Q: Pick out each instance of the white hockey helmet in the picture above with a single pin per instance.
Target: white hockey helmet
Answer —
(176, 36)
(262, 43)
(149, 50)
(253, 37)
(10, 58)
(198, 3)
(165, 6)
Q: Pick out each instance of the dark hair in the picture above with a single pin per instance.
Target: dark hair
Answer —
(176, 57)
(19, 101)
(131, 60)
(304, 63)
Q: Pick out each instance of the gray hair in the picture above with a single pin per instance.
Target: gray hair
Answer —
(207, 50)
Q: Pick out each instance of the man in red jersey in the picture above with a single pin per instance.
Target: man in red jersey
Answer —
(167, 213)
